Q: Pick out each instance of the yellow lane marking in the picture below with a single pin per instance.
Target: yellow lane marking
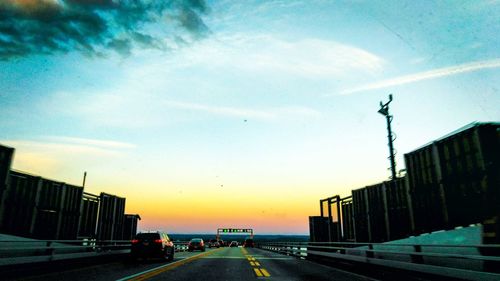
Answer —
(257, 272)
(155, 271)
(264, 272)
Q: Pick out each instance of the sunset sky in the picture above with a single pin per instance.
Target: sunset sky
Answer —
(208, 114)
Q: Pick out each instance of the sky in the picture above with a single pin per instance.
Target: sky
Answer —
(208, 114)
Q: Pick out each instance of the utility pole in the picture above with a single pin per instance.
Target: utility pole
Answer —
(84, 178)
(384, 110)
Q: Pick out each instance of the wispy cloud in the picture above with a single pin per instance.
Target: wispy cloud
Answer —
(69, 146)
(273, 113)
(55, 155)
(135, 109)
(91, 142)
(229, 111)
(262, 53)
(41, 147)
(427, 75)
(140, 97)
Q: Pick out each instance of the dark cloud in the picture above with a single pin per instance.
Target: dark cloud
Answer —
(190, 20)
(95, 27)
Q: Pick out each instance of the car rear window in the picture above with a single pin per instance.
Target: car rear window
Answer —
(148, 236)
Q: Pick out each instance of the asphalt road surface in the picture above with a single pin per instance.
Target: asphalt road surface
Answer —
(235, 263)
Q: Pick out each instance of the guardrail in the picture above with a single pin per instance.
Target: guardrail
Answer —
(471, 262)
(181, 246)
(14, 252)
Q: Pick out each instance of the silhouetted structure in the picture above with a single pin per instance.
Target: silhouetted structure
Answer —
(130, 226)
(384, 110)
(88, 219)
(111, 217)
(6, 154)
(453, 181)
(318, 228)
(37, 207)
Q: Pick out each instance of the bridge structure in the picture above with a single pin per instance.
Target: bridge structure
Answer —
(74, 235)
(279, 260)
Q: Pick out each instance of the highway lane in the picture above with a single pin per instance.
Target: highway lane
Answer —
(105, 271)
(248, 264)
(240, 264)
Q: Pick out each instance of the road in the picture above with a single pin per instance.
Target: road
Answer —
(242, 264)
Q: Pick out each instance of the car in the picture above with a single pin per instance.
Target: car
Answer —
(233, 244)
(248, 243)
(213, 243)
(196, 244)
(152, 245)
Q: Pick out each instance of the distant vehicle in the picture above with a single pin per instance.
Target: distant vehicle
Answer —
(233, 244)
(196, 244)
(248, 243)
(152, 244)
(222, 243)
(213, 243)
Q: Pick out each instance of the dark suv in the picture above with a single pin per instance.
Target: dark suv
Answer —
(152, 244)
(196, 244)
(249, 243)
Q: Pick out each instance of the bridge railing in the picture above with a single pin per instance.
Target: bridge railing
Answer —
(181, 246)
(472, 262)
(14, 252)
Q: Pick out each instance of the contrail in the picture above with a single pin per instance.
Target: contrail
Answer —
(431, 74)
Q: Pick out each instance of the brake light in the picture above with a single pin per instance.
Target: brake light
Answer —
(158, 241)
(135, 241)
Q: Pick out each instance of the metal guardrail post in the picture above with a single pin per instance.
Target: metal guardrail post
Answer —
(342, 251)
(49, 251)
(369, 253)
(417, 258)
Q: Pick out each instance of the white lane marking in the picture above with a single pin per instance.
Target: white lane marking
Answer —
(153, 269)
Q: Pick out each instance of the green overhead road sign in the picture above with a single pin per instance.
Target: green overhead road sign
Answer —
(234, 230)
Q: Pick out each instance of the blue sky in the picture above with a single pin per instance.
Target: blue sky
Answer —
(273, 103)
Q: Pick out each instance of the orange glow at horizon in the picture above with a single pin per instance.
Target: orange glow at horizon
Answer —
(207, 213)
(181, 203)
